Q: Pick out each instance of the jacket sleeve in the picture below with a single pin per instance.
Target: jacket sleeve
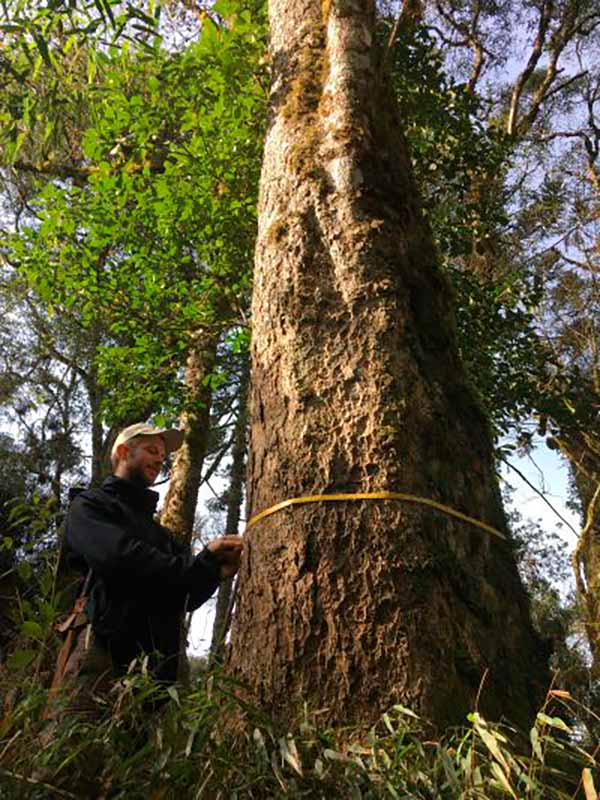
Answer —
(96, 531)
(207, 572)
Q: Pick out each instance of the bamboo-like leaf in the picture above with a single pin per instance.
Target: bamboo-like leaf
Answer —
(406, 711)
(588, 784)
(289, 753)
(503, 780)
(492, 740)
(554, 722)
(534, 736)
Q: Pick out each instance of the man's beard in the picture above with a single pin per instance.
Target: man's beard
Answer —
(137, 476)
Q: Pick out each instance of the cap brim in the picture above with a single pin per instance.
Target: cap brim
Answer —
(173, 439)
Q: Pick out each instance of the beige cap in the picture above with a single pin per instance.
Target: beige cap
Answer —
(173, 438)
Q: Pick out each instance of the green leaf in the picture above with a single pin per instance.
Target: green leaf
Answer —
(49, 128)
(173, 694)
(535, 743)
(24, 570)
(502, 779)
(388, 723)
(91, 69)
(392, 791)
(491, 739)
(33, 629)
(17, 145)
(554, 722)
(46, 582)
(406, 711)
(21, 659)
(48, 611)
(42, 46)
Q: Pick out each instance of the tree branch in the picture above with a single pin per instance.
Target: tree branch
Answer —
(54, 169)
(540, 494)
(538, 46)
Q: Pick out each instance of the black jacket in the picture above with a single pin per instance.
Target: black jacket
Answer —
(143, 578)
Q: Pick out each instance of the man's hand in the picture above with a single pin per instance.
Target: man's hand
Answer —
(228, 552)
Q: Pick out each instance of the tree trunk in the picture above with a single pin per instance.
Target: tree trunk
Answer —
(100, 464)
(583, 453)
(357, 386)
(99, 461)
(182, 498)
(237, 475)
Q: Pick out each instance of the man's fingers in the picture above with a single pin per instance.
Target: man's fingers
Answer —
(231, 541)
(227, 542)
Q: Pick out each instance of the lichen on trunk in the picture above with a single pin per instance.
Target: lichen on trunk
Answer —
(357, 386)
(182, 497)
(583, 453)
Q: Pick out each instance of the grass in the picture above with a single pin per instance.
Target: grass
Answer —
(207, 743)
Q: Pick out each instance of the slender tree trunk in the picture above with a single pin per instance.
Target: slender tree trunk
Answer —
(100, 468)
(589, 547)
(235, 492)
(182, 498)
(56, 485)
(357, 386)
(583, 453)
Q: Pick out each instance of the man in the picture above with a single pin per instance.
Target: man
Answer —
(142, 578)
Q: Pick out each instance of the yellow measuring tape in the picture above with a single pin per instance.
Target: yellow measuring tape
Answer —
(408, 498)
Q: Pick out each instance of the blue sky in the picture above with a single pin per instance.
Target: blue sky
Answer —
(549, 473)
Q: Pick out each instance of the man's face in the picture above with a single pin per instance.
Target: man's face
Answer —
(144, 459)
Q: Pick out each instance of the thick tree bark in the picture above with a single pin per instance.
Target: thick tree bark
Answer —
(182, 498)
(235, 493)
(357, 386)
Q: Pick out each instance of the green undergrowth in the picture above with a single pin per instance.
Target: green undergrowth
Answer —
(206, 742)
